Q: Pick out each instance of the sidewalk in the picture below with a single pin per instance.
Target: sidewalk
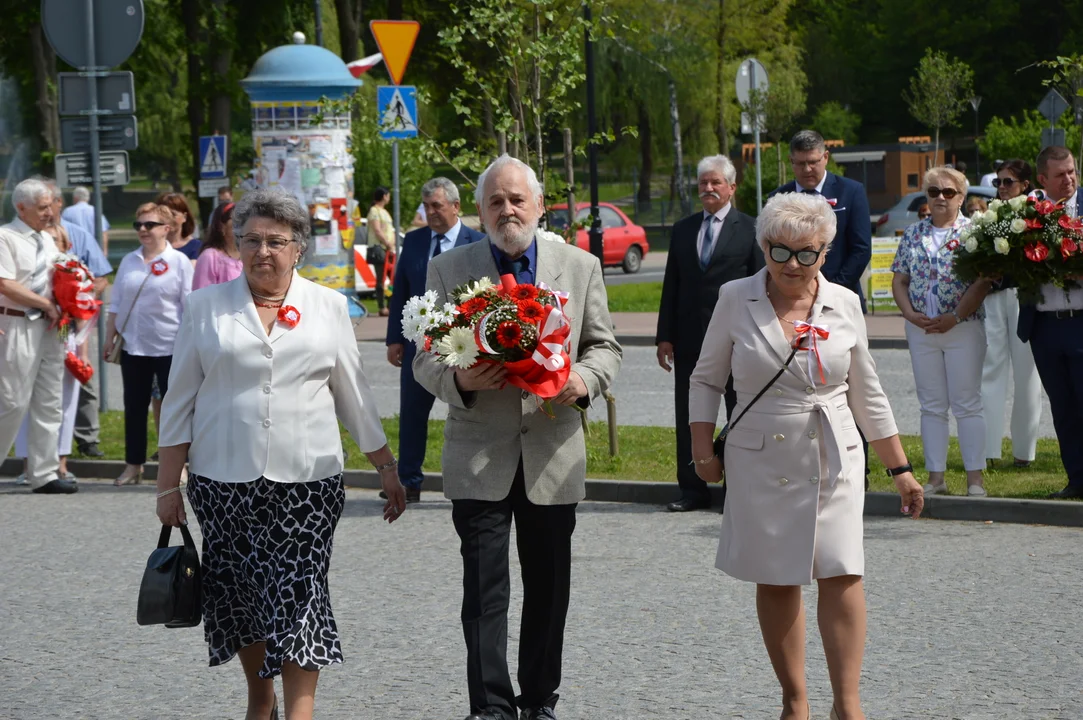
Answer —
(886, 332)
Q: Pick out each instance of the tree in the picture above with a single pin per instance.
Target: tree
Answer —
(939, 92)
(836, 122)
(785, 103)
(349, 25)
(1019, 137)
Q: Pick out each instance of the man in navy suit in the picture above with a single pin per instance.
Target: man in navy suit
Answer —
(444, 232)
(851, 250)
(1054, 327)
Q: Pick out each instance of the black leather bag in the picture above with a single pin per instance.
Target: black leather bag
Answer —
(720, 441)
(377, 254)
(170, 593)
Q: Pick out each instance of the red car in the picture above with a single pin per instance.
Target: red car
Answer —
(624, 242)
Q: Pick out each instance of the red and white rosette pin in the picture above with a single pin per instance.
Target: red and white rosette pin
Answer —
(159, 267)
(289, 316)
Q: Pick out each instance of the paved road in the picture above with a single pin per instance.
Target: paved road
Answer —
(967, 621)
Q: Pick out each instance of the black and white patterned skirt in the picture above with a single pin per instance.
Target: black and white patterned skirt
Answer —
(266, 555)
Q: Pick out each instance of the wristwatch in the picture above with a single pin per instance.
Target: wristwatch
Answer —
(955, 315)
(892, 472)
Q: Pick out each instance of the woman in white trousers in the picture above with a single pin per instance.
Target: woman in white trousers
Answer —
(944, 331)
(1004, 351)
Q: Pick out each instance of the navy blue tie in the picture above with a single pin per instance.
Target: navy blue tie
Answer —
(519, 268)
(439, 242)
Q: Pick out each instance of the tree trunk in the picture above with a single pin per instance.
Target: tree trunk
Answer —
(936, 146)
(678, 154)
(646, 159)
(44, 60)
(720, 130)
(220, 56)
(536, 100)
(196, 112)
(347, 29)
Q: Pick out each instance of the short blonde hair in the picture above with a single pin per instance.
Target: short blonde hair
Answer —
(795, 216)
(164, 213)
(938, 173)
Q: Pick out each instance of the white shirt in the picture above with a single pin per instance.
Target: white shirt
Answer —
(987, 179)
(157, 312)
(450, 238)
(715, 228)
(940, 236)
(19, 257)
(254, 404)
(82, 214)
(1055, 298)
(421, 211)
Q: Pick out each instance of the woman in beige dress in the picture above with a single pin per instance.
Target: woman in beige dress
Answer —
(794, 464)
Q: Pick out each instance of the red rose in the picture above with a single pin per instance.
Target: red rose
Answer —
(524, 292)
(159, 267)
(508, 334)
(1036, 252)
(531, 311)
(1044, 207)
(1033, 224)
(1067, 247)
(289, 316)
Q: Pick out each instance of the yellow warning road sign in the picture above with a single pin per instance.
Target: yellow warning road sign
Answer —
(396, 39)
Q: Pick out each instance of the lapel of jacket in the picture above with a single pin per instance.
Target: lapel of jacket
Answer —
(465, 235)
(549, 269)
(474, 262)
(295, 297)
(725, 234)
(244, 310)
(831, 188)
(763, 313)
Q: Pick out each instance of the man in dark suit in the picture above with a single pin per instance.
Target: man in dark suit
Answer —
(1054, 327)
(706, 251)
(851, 249)
(444, 232)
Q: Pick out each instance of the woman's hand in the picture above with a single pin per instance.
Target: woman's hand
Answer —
(108, 349)
(916, 318)
(941, 324)
(710, 472)
(396, 495)
(171, 510)
(913, 500)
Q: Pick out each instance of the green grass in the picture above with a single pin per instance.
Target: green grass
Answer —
(634, 297)
(647, 454)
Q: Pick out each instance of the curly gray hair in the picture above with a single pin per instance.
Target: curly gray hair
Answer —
(795, 216)
(274, 204)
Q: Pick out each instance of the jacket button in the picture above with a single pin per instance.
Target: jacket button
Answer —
(267, 423)
(267, 389)
(812, 434)
(524, 431)
(814, 479)
(809, 390)
(780, 437)
(268, 352)
(526, 395)
(783, 481)
(778, 391)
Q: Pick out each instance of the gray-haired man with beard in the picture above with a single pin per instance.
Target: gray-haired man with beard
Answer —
(504, 458)
(706, 251)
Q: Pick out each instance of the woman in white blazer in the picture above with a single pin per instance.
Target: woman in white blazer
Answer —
(265, 366)
(794, 463)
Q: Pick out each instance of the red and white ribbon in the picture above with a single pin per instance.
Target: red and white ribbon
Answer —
(815, 333)
(552, 337)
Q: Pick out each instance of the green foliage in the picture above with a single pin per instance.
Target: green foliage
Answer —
(745, 198)
(635, 297)
(939, 91)
(1020, 137)
(836, 122)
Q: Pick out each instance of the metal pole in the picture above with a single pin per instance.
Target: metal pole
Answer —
(395, 182)
(95, 161)
(977, 150)
(596, 247)
(319, 24)
(756, 136)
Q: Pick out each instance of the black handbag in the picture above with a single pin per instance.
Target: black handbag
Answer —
(720, 441)
(170, 593)
(376, 254)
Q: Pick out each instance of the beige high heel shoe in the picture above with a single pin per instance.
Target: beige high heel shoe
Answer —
(126, 479)
(834, 715)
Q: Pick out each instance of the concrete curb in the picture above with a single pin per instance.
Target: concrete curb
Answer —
(1061, 513)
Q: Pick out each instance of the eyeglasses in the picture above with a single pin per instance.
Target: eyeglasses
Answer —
(782, 254)
(1006, 182)
(275, 245)
(807, 164)
(149, 225)
(935, 192)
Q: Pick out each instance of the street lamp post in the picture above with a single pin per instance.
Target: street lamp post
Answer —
(974, 103)
(595, 235)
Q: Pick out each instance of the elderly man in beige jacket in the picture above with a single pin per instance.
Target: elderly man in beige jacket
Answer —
(504, 458)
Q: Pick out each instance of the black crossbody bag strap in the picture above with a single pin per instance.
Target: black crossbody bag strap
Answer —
(767, 386)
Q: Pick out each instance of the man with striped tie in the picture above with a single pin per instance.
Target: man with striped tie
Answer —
(30, 349)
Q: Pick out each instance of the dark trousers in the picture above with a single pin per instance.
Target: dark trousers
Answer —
(543, 535)
(415, 404)
(691, 486)
(1058, 354)
(379, 269)
(87, 426)
(138, 373)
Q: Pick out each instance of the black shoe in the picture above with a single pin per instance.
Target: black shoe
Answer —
(154, 457)
(90, 450)
(57, 487)
(1068, 493)
(484, 716)
(543, 713)
(413, 495)
(687, 504)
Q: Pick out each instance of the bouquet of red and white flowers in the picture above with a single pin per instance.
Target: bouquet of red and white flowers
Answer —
(522, 327)
(1034, 241)
(73, 290)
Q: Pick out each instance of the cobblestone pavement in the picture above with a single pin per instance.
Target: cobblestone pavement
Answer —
(968, 621)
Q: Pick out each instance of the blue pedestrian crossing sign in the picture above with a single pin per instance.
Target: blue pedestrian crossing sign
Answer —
(212, 157)
(397, 107)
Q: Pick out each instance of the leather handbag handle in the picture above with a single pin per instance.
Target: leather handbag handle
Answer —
(163, 538)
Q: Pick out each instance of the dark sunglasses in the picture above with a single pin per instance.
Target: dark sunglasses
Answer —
(948, 193)
(1006, 182)
(782, 254)
(149, 225)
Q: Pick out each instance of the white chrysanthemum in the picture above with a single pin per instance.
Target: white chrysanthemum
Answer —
(1018, 226)
(475, 288)
(989, 216)
(1017, 202)
(1001, 245)
(995, 204)
(549, 236)
(971, 244)
(458, 348)
(450, 311)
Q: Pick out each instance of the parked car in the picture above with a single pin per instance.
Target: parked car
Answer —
(624, 242)
(905, 212)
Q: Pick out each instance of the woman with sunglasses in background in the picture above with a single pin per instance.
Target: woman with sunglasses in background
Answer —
(219, 259)
(145, 310)
(1005, 351)
(943, 330)
(182, 226)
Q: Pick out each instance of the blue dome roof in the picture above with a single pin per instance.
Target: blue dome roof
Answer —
(299, 72)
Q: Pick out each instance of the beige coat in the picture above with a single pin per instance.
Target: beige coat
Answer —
(794, 464)
(488, 431)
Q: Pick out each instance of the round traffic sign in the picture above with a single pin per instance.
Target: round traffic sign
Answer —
(118, 26)
(751, 75)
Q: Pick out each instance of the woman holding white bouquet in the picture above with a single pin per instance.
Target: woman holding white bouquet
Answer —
(943, 330)
(1007, 358)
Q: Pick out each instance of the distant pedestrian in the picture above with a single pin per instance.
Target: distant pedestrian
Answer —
(219, 258)
(975, 204)
(988, 178)
(381, 235)
(81, 213)
(182, 226)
